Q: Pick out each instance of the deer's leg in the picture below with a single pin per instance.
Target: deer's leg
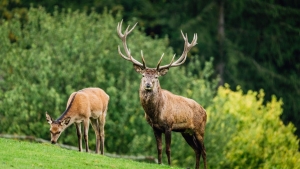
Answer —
(157, 135)
(200, 140)
(203, 154)
(101, 121)
(191, 140)
(79, 136)
(95, 126)
(85, 134)
(168, 134)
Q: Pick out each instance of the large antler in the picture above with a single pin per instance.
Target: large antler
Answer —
(127, 51)
(181, 60)
(178, 62)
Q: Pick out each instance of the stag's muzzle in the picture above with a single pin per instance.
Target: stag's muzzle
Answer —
(148, 86)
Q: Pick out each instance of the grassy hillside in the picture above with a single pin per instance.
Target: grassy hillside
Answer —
(21, 154)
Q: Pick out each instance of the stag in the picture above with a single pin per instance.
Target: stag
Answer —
(89, 104)
(166, 112)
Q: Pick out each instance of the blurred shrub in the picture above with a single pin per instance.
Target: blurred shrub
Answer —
(57, 54)
(242, 132)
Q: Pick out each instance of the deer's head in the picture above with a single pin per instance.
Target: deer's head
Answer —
(150, 80)
(57, 127)
(150, 75)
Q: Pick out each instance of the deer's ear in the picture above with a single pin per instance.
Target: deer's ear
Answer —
(163, 71)
(66, 121)
(138, 69)
(49, 119)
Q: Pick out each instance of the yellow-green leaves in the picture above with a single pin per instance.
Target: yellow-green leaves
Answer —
(255, 135)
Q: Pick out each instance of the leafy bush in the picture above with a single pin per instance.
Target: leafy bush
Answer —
(242, 132)
(57, 54)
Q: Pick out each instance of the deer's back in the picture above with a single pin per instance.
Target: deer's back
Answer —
(180, 111)
(89, 102)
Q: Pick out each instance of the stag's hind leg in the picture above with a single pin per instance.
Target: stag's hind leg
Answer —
(192, 141)
(200, 141)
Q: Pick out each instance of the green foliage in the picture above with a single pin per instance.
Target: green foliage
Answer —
(57, 54)
(10, 9)
(264, 52)
(245, 133)
(255, 53)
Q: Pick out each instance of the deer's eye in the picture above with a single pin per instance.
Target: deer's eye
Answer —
(156, 76)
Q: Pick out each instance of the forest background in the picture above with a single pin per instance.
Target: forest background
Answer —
(52, 48)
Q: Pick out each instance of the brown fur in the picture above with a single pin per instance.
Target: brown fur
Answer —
(89, 104)
(166, 112)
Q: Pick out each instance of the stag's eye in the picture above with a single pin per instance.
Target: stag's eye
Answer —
(156, 76)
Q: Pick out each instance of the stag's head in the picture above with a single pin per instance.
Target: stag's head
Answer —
(150, 75)
(149, 80)
(57, 127)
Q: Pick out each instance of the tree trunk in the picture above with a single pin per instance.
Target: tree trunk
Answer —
(221, 37)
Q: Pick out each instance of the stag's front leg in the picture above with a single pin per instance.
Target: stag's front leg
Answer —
(157, 135)
(85, 134)
(79, 136)
(168, 144)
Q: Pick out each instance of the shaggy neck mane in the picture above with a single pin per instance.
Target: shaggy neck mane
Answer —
(151, 100)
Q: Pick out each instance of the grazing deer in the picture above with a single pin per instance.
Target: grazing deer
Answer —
(164, 111)
(84, 105)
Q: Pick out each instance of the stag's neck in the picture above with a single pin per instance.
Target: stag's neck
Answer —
(151, 101)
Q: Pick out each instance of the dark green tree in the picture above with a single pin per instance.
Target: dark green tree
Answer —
(263, 50)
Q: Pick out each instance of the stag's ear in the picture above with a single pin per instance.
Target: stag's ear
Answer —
(162, 72)
(66, 121)
(49, 119)
(139, 69)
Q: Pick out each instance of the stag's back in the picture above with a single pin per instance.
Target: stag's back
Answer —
(181, 111)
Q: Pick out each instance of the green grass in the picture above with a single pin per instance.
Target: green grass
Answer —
(22, 154)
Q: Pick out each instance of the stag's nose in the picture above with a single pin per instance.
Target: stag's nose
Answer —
(53, 142)
(148, 86)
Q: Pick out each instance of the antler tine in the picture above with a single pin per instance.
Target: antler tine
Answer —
(187, 48)
(157, 67)
(127, 51)
(144, 63)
